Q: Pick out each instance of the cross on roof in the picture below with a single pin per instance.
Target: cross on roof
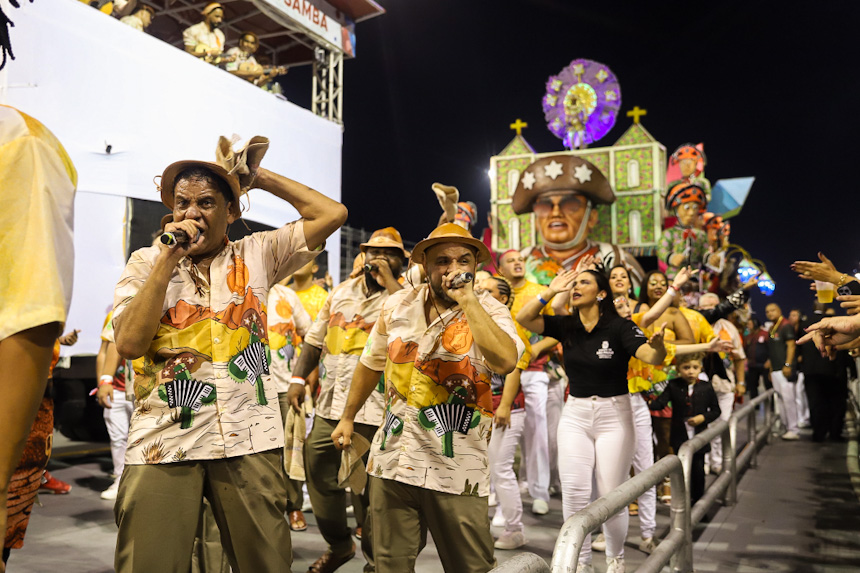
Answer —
(518, 125)
(636, 112)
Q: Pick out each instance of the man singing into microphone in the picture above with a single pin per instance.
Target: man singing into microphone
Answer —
(436, 347)
(207, 421)
(342, 327)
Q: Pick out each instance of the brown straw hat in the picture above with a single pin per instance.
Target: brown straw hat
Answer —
(168, 179)
(387, 237)
(450, 233)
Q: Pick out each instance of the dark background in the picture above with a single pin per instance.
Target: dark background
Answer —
(770, 88)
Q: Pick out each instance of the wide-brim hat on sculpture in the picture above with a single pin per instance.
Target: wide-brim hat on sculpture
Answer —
(561, 173)
(450, 233)
(389, 237)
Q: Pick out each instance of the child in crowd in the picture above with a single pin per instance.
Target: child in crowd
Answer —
(694, 406)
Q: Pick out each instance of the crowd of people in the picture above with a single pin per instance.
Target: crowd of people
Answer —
(206, 40)
(232, 383)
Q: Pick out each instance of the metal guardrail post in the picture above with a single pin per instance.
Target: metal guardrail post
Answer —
(752, 436)
(731, 495)
(677, 546)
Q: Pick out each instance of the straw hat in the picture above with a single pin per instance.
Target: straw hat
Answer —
(450, 233)
(168, 179)
(388, 237)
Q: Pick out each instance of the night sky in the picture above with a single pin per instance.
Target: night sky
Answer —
(770, 88)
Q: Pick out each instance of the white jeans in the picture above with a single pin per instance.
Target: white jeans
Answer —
(801, 401)
(503, 446)
(596, 440)
(535, 388)
(117, 418)
(727, 402)
(554, 407)
(643, 458)
(787, 393)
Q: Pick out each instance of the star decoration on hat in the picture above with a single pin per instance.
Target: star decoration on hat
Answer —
(582, 172)
(553, 170)
(528, 180)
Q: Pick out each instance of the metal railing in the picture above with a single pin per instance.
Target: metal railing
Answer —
(677, 548)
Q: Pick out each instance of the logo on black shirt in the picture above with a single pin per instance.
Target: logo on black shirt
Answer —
(605, 353)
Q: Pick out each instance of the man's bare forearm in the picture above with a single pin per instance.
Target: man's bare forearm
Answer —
(322, 215)
(364, 380)
(497, 348)
(308, 360)
(137, 325)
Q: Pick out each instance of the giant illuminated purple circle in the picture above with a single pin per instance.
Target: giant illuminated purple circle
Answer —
(581, 102)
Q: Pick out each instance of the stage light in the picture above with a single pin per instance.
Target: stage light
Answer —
(766, 284)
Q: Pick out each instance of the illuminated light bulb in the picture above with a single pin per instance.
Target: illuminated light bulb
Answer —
(747, 270)
(766, 284)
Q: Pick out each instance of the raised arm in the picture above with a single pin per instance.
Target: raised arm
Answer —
(665, 301)
(322, 216)
(529, 316)
(497, 347)
(654, 352)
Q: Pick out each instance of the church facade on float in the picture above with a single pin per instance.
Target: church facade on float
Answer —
(636, 168)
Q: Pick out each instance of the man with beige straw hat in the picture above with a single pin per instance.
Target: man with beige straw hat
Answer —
(437, 346)
(193, 318)
(342, 327)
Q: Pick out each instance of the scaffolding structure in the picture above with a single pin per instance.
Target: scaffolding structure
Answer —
(327, 101)
(350, 246)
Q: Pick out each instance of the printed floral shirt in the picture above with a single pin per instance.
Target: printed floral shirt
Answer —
(289, 322)
(313, 299)
(439, 405)
(341, 330)
(692, 243)
(202, 389)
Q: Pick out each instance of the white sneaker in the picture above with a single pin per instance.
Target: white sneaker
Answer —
(599, 544)
(306, 503)
(110, 492)
(499, 520)
(492, 501)
(615, 565)
(510, 540)
(647, 545)
(540, 507)
(524, 488)
(790, 436)
(584, 568)
(350, 510)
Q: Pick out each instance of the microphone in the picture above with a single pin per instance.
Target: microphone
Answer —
(368, 268)
(462, 279)
(171, 238)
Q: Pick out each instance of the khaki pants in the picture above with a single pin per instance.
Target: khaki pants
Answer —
(208, 555)
(322, 461)
(459, 525)
(158, 509)
(294, 486)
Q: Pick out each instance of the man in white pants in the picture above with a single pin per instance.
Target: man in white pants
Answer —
(794, 318)
(725, 388)
(534, 382)
(780, 348)
(111, 396)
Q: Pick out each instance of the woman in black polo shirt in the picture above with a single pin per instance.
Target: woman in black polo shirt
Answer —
(596, 438)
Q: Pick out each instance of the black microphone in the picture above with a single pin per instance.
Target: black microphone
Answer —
(462, 279)
(368, 268)
(179, 236)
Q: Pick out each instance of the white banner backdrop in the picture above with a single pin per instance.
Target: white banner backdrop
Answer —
(95, 82)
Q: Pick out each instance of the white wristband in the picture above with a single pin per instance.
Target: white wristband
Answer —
(297, 380)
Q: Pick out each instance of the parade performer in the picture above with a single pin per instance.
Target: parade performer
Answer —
(289, 322)
(684, 244)
(597, 437)
(563, 191)
(341, 329)
(37, 247)
(203, 394)
(438, 345)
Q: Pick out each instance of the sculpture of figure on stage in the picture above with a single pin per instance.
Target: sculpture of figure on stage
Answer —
(691, 162)
(684, 244)
(721, 275)
(563, 192)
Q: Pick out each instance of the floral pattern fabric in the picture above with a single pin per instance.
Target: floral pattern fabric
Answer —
(439, 405)
(202, 389)
(289, 322)
(341, 330)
